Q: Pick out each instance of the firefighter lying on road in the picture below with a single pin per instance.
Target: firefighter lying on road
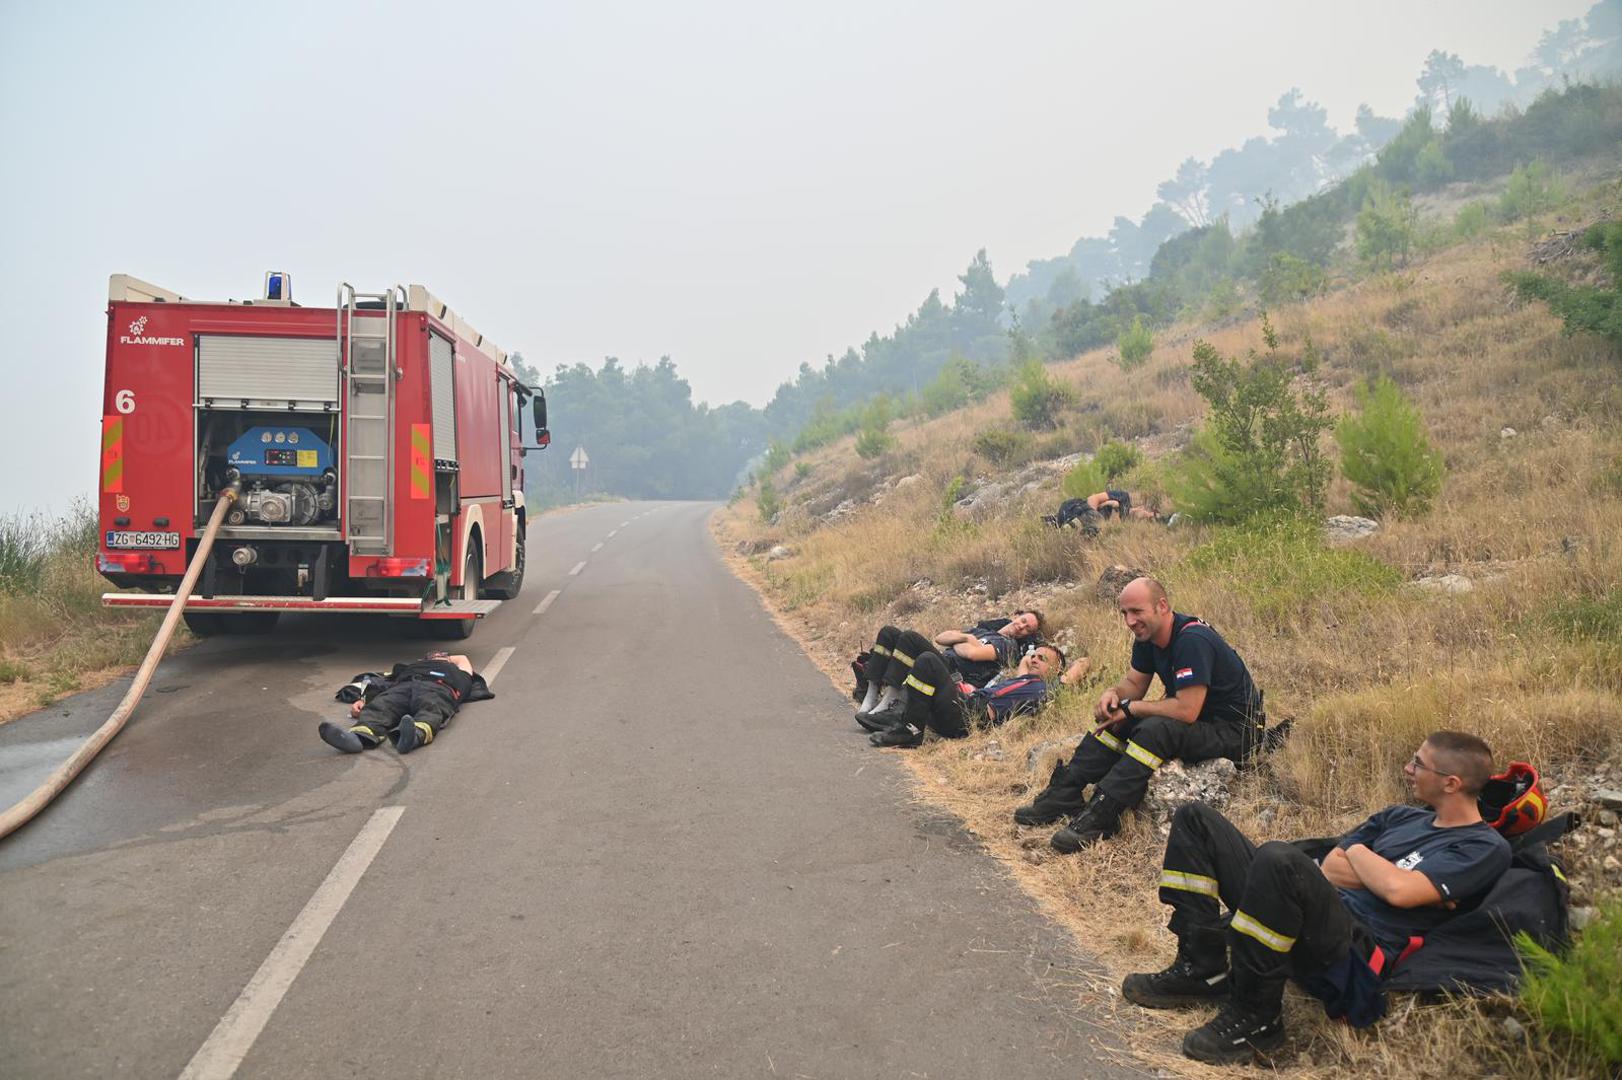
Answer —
(410, 706)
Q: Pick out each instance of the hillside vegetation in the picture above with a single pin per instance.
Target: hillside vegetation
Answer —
(943, 526)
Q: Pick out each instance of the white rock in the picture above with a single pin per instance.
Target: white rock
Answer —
(1446, 583)
(1344, 527)
(1176, 783)
(907, 481)
(779, 552)
(1582, 916)
(1065, 746)
(1610, 863)
(1507, 433)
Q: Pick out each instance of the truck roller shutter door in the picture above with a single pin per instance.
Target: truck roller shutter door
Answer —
(442, 371)
(267, 372)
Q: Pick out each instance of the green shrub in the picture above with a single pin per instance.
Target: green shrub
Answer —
(1037, 397)
(777, 456)
(1588, 616)
(950, 495)
(802, 469)
(766, 500)
(1471, 221)
(1001, 446)
(1584, 308)
(1386, 453)
(1083, 480)
(25, 546)
(1135, 344)
(1287, 278)
(1115, 458)
(1579, 994)
(1432, 165)
(1259, 450)
(1386, 226)
(1282, 569)
(1533, 188)
(873, 438)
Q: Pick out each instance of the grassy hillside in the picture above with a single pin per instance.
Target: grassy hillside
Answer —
(1342, 638)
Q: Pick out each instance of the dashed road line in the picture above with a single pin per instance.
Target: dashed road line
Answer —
(598, 546)
(234, 1035)
(624, 523)
(613, 534)
(540, 609)
(579, 566)
(497, 662)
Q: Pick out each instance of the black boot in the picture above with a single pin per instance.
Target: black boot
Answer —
(1198, 975)
(903, 735)
(408, 736)
(1061, 798)
(346, 739)
(1099, 820)
(1237, 1033)
(891, 714)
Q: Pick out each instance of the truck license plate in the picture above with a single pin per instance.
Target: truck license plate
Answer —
(159, 541)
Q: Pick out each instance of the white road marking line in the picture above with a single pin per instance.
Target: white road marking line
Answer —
(497, 662)
(579, 566)
(597, 547)
(540, 609)
(624, 523)
(234, 1035)
(613, 534)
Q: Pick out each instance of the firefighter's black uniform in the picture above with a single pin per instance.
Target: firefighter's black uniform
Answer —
(1122, 761)
(429, 691)
(895, 651)
(1288, 920)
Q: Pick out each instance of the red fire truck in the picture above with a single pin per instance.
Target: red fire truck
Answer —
(376, 447)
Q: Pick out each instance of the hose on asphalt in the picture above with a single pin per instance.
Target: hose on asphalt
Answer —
(23, 811)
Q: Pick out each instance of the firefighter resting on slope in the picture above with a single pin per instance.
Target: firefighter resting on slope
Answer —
(1211, 709)
(410, 706)
(937, 700)
(1332, 925)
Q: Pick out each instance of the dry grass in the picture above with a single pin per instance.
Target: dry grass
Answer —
(1364, 662)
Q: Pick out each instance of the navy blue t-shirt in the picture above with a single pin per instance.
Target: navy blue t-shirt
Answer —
(980, 672)
(1462, 862)
(1008, 698)
(1197, 656)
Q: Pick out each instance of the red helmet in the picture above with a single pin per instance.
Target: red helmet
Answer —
(1513, 801)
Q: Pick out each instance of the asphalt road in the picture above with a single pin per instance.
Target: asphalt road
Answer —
(663, 850)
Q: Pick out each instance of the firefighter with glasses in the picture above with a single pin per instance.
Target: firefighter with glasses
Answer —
(1334, 925)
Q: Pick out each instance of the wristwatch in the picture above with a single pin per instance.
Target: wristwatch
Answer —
(1125, 711)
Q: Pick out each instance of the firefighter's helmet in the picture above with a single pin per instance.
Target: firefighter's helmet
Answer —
(1513, 801)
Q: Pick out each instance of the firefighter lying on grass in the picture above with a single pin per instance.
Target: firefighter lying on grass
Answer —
(1414, 898)
(409, 706)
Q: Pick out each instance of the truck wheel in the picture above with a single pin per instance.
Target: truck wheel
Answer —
(462, 629)
(251, 622)
(507, 584)
(203, 623)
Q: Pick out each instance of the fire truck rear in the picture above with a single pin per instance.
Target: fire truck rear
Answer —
(376, 447)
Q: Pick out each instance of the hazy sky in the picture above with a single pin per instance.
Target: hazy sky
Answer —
(743, 186)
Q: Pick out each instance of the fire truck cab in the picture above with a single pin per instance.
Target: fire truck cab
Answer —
(376, 446)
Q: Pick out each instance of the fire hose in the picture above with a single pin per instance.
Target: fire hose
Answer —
(24, 810)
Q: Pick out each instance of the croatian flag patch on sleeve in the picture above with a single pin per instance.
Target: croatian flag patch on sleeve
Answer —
(1184, 673)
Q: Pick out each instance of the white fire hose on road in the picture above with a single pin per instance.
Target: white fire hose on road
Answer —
(23, 811)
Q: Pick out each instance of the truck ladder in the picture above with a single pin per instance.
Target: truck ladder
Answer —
(369, 366)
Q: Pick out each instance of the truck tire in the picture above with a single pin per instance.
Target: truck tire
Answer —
(462, 629)
(507, 584)
(203, 623)
(250, 622)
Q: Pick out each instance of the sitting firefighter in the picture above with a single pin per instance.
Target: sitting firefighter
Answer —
(937, 700)
(1333, 925)
(1211, 709)
(408, 707)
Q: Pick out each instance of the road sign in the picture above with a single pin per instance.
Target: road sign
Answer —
(578, 459)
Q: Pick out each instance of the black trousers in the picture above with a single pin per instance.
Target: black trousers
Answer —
(425, 702)
(894, 653)
(1123, 761)
(934, 698)
(1287, 919)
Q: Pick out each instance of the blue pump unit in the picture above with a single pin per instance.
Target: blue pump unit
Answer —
(279, 452)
